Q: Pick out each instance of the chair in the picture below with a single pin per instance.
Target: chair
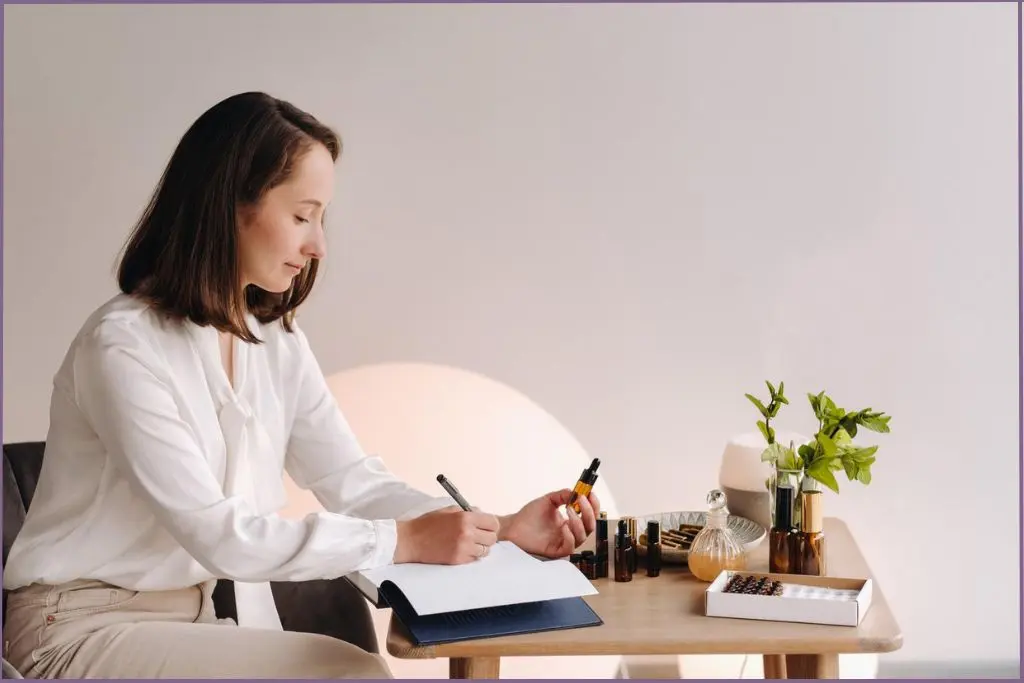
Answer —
(329, 607)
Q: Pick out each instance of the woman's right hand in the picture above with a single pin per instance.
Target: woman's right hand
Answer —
(448, 536)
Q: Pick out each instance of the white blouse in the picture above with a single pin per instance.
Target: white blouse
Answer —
(159, 474)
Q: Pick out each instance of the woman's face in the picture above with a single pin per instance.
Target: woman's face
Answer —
(279, 236)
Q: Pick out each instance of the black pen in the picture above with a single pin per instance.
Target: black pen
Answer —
(453, 492)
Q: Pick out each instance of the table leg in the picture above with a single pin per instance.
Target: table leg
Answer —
(774, 666)
(812, 666)
(473, 667)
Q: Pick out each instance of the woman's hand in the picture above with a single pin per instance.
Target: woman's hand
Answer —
(448, 536)
(539, 527)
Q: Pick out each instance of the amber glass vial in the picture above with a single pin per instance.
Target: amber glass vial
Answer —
(585, 484)
(623, 567)
(653, 559)
(602, 546)
(811, 545)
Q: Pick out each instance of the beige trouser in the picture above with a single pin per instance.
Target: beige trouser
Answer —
(90, 629)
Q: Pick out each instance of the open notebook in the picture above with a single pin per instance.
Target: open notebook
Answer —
(507, 592)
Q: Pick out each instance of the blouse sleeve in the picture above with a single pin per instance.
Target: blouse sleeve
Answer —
(325, 457)
(124, 391)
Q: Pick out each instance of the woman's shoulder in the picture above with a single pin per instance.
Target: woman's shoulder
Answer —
(126, 319)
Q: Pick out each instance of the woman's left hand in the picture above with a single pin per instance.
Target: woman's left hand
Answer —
(539, 528)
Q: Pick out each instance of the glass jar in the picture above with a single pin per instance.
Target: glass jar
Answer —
(715, 548)
(785, 477)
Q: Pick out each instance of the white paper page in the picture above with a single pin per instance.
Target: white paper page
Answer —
(507, 576)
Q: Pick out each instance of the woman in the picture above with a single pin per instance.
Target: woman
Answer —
(177, 408)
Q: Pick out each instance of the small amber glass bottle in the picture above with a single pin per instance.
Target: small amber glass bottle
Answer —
(602, 546)
(585, 484)
(631, 531)
(811, 540)
(623, 546)
(653, 559)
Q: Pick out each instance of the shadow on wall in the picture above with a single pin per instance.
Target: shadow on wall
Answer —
(500, 448)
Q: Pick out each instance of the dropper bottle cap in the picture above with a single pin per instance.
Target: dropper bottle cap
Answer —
(589, 475)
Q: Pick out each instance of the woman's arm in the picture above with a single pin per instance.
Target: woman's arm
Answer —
(325, 457)
(123, 390)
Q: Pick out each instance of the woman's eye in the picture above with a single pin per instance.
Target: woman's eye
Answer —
(300, 219)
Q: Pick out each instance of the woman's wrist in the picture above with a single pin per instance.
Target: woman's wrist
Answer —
(504, 523)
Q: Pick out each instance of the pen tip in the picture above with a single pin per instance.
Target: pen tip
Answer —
(440, 478)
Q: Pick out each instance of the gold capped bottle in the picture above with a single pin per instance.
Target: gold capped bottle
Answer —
(810, 554)
(715, 548)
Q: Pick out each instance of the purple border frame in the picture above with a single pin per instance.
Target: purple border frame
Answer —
(1020, 155)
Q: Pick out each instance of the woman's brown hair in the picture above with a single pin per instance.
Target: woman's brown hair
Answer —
(182, 255)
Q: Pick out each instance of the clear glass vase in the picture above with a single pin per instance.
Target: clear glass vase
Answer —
(786, 477)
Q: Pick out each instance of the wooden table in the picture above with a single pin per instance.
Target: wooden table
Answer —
(665, 616)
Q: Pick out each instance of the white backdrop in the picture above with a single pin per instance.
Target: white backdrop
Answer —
(632, 215)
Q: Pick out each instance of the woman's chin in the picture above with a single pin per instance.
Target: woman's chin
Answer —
(275, 285)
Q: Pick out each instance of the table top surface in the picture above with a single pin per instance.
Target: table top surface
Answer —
(665, 615)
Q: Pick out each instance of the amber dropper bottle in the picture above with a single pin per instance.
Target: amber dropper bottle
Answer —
(784, 539)
(811, 541)
(623, 546)
(653, 559)
(602, 545)
(634, 558)
(583, 487)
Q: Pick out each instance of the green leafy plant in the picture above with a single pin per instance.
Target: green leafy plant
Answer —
(832, 449)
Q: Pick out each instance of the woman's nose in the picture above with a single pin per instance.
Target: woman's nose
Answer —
(316, 246)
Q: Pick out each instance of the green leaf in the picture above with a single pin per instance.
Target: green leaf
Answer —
(806, 452)
(828, 406)
(851, 469)
(820, 470)
(773, 409)
(764, 430)
(862, 455)
(842, 439)
(775, 453)
(771, 389)
(864, 476)
(782, 399)
(876, 422)
(815, 402)
(783, 458)
(781, 385)
(771, 434)
(827, 444)
(757, 402)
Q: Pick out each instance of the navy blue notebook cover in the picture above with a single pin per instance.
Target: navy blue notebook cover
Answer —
(489, 622)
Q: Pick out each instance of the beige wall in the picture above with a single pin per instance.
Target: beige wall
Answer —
(630, 214)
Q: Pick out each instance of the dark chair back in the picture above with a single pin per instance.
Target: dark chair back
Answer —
(330, 607)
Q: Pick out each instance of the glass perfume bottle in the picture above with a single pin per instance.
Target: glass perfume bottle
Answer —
(715, 548)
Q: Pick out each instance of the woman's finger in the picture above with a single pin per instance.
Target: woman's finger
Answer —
(575, 525)
(587, 514)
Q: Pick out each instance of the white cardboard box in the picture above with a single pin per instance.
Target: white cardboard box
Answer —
(846, 612)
